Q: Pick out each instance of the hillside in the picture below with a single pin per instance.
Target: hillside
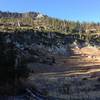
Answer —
(42, 57)
(39, 21)
(11, 22)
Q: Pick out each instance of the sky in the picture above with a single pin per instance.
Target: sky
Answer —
(75, 10)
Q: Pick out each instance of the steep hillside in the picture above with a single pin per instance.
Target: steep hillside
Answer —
(22, 47)
(37, 51)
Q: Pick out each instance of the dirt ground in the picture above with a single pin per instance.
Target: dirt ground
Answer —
(83, 63)
(71, 78)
